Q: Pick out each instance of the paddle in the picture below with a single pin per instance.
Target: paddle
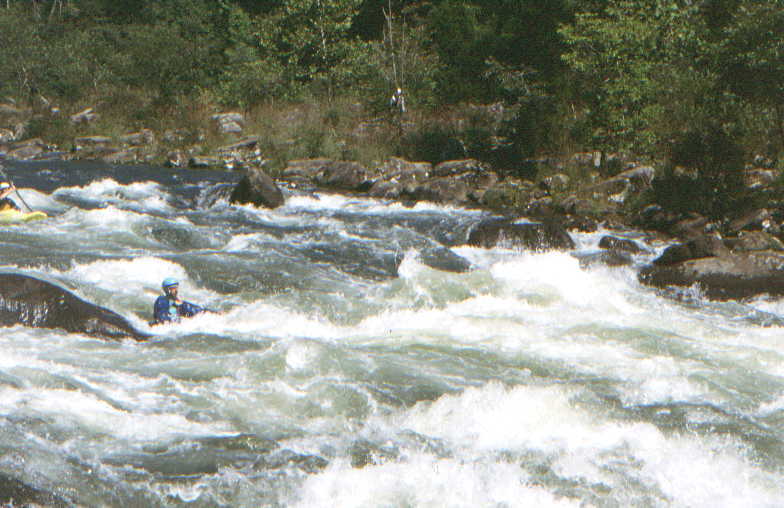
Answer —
(8, 179)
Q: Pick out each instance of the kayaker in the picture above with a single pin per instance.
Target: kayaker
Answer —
(169, 308)
(6, 203)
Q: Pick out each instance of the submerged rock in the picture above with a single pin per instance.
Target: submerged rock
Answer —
(14, 492)
(604, 258)
(444, 259)
(36, 303)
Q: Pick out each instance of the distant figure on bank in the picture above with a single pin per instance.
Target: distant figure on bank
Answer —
(169, 308)
(398, 100)
(6, 203)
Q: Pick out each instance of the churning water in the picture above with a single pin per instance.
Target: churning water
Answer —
(343, 370)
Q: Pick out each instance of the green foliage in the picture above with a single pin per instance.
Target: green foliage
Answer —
(752, 56)
(504, 81)
(434, 143)
(630, 55)
(311, 41)
(39, 60)
(704, 174)
(458, 36)
(516, 33)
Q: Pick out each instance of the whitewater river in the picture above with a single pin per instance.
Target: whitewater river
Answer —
(342, 370)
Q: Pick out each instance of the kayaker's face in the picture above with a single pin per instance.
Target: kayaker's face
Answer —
(171, 291)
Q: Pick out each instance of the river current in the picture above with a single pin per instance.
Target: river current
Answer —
(342, 370)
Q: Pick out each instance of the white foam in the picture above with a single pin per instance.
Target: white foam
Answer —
(110, 218)
(301, 355)
(110, 187)
(239, 243)
(261, 320)
(141, 275)
(425, 481)
(147, 196)
(82, 411)
(39, 201)
(369, 205)
(772, 407)
(690, 470)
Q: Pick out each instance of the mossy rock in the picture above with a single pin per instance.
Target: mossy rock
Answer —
(508, 196)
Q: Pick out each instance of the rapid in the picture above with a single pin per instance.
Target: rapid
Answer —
(341, 369)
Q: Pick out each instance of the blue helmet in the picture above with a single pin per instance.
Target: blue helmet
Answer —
(169, 282)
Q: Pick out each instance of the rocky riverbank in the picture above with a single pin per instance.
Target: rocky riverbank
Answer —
(738, 258)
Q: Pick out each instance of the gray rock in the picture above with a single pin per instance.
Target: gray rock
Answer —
(198, 161)
(753, 220)
(701, 247)
(27, 149)
(754, 241)
(444, 259)
(229, 123)
(537, 236)
(245, 145)
(555, 183)
(7, 136)
(458, 167)
(441, 190)
(128, 156)
(176, 159)
(258, 189)
(727, 277)
(36, 303)
(25, 152)
(140, 138)
(84, 116)
(620, 244)
(304, 168)
(760, 178)
(604, 258)
(344, 175)
(91, 142)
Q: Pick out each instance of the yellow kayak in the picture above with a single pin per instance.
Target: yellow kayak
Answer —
(15, 216)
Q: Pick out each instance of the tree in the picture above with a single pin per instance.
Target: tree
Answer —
(629, 55)
(312, 40)
(752, 56)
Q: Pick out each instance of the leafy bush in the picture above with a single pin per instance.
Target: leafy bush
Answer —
(704, 174)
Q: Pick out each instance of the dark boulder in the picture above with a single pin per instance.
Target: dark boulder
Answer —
(36, 303)
(620, 244)
(304, 169)
(726, 277)
(444, 259)
(754, 240)
(700, 247)
(691, 226)
(604, 258)
(753, 221)
(537, 236)
(441, 190)
(344, 175)
(511, 194)
(258, 189)
(399, 179)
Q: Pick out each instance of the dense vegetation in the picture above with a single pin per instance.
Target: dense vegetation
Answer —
(673, 80)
